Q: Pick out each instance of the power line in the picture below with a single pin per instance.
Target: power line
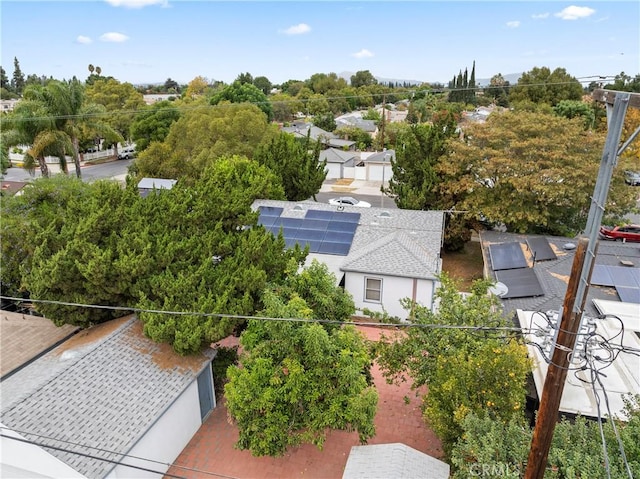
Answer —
(191, 469)
(477, 328)
(90, 456)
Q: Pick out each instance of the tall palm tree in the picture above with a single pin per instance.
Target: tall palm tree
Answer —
(68, 114)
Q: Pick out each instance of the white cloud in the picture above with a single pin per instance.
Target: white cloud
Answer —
(364, 53)
(136, 3)
(513, 24)
(114, 37)
(540, 16)
(84, 40)
(574, 13)
(298, 29)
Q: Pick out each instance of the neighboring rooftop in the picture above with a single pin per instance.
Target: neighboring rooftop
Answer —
(24, 337)
(553, 274)
(395, 460)
(105, 387)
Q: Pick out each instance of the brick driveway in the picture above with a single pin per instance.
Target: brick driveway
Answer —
(210, 453)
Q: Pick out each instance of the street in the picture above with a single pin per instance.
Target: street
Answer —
(111, 169)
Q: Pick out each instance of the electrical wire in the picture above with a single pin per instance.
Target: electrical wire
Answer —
(480, 328)
(191, 469)
(90, 456)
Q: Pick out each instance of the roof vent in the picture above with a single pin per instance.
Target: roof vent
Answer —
(569, 246)
(298, 208)
(384, 214)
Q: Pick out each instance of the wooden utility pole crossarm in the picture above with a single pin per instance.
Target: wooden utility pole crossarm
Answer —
(557, 371)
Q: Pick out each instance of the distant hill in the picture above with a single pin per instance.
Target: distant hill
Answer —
(347, 76)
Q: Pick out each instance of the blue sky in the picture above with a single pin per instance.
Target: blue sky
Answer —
(148, 41)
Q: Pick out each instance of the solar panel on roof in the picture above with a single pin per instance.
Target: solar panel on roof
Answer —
(521, 283)
(540, 248)
(342, 226)
(600, 276)
(338, 237)
(623, 276)
(267, 220)
(311, 224)
(345, 217)
(289, 222)
(507, 256)
(628, 295)
(319, 214)
(270, 210)
(304, 234)
(328, 247)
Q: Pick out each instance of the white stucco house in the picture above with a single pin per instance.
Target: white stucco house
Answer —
(379, 255)
(106, 403)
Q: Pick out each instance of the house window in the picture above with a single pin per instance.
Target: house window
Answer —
(373, 289)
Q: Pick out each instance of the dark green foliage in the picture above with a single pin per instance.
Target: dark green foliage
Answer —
(624, 82)
(153, 124)
(541, 85)
(241, 92)
(298, 380)
(295, 163)
(225, 357)
(325, 121)
(576, 450)
(574, 108)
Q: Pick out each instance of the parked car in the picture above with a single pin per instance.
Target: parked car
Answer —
(348, 201)
(621, 233)
(632, 178)
(91, 149)
(127, 152)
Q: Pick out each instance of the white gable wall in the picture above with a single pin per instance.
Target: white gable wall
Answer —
(394, 289)
(334, 171)
(166, 439)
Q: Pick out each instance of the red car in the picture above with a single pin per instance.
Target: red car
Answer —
(621, 233)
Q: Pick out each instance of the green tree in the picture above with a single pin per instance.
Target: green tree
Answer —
(296, 164)
(197, 87)
(153, 124)
(207, 260)
(298, 380)
(465, 371)
(239, 92)
(624, 82)
(497, 445)
(121, 101)
(574, 108)
(363, 78)
(17, 81)
(325, 121)
(263, 84)
(542, 86)
(244, 78)
(533, 172)
(171, 86)
(4, 81)
(203, 134)
(415, 182)
(285, 107)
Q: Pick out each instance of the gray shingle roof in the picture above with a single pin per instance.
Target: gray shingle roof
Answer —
(390, 461)
(406, 232)
(104, 388)
(553, 275)
(396, 254)
(333, 155)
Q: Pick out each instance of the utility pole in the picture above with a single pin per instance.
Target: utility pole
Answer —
(576, 296)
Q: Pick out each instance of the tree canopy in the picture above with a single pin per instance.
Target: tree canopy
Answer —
(533, 172)
(541, 85)
(295, 163)
(239, 92)
(153, 124)
(297, 380)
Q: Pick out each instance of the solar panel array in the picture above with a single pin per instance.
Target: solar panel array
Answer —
(626, 280)
(511, 269)
(540, 248)
(327, 232)
(507, 256)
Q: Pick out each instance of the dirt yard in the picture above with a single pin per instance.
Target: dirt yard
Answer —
(464, 266)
